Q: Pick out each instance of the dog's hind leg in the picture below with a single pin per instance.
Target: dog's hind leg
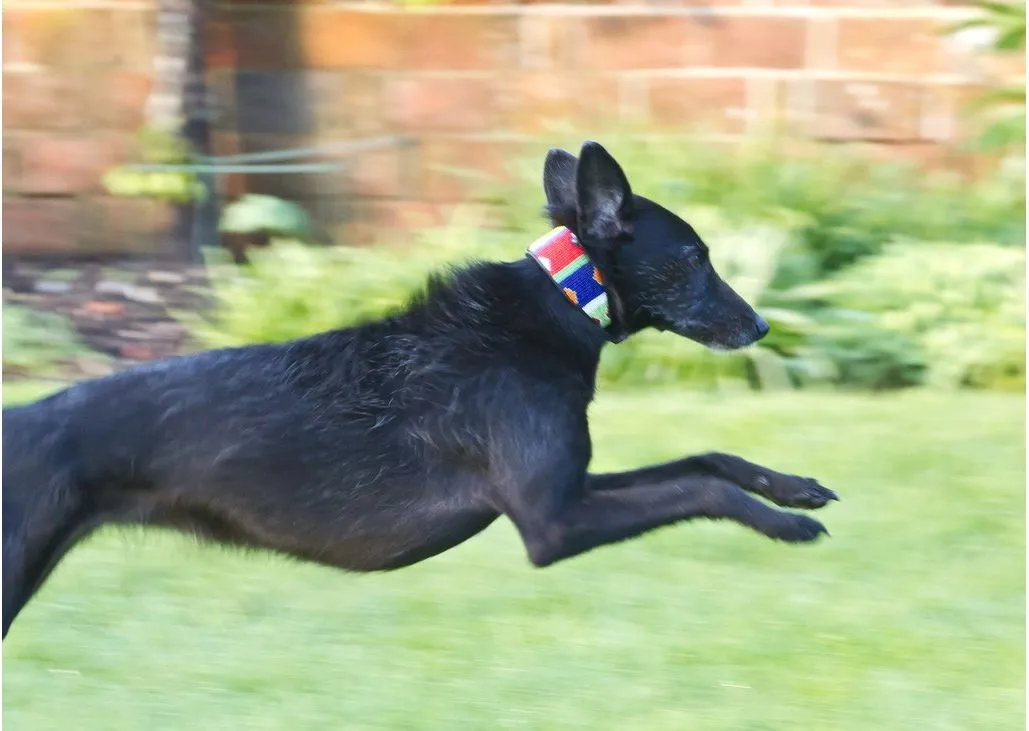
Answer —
(39, 528)
(14, 562)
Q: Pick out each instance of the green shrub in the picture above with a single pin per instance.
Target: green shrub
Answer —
(266, 214)
(41, 344)
(959, 309)
(290, 289)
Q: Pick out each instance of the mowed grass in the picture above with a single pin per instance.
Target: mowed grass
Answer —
(912, 616)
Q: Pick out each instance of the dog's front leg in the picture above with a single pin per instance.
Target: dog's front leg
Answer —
(587, 519)
(789, 491)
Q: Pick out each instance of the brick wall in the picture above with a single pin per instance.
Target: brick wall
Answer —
(472, 83)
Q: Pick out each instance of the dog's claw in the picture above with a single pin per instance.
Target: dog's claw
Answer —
(802, 529)
(789, 491)
(815, 496)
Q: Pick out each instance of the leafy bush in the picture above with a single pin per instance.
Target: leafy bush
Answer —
(290, 289)
(958, 309)
(156, 147)
(254, 213)
(40, 344)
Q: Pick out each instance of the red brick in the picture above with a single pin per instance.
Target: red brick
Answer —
(407, 222)
(443, 104)
(703, 104)
(402, 214)
(460, 42)
(346, 102)
(876, 3)
(122, 37)
(476, 214)
(755, 42)
(42, 101)
(396, 223)
(11, 164)
(287, 3)
(40, 225)
(354, 233)
(49, 37)
(986, 66)
(143, 223)
(383, 173)
(957, 102)
(129, 225)
(69, 165)
(767, 106)
(220, 43)
(541, 101)
(457, 170)
(644, 42)
(350, 39)
(890, 45)
(540, 41)
(862, 110)
(125, 96)
(225, 142)
(550, 2)
(942, 109)
(1008, 66)
(59, 37)
(362, 100)
(233, 186)
(698, 4)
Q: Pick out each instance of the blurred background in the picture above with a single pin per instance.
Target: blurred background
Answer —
(187, 174)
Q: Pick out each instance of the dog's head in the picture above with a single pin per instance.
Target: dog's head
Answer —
(655, 267)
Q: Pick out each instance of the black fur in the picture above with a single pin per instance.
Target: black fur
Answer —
(378, 446)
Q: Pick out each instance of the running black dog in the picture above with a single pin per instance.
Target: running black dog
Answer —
(378, 446)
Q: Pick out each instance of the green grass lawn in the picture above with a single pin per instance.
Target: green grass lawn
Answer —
(912, 616)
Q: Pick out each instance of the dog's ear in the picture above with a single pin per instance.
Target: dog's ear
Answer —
(603, 194)
(559, 185)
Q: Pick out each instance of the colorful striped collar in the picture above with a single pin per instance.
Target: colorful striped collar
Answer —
(561, 256)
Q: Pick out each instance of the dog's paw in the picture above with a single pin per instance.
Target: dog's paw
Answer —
(798, 529)
(791, 491)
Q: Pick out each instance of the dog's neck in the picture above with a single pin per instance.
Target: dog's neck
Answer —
(565, 261)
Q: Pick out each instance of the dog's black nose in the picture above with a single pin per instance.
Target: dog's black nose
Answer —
(762, 327)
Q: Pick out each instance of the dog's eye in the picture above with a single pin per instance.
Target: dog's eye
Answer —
(693, 258)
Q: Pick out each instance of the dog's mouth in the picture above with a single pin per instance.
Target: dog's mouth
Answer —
(722, 339)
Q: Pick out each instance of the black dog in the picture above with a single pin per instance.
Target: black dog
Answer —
(378, 446)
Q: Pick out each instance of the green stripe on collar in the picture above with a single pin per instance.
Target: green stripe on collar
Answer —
(561, 256)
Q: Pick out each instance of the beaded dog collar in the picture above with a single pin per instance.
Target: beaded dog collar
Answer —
(561, 256)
